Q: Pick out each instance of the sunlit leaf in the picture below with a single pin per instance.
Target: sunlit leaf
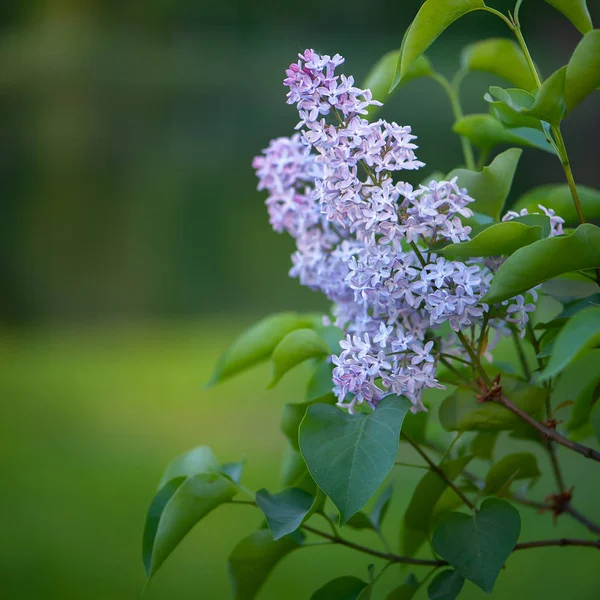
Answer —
(491, 186)
(197, 460)
(257, 343)
(545, 259)
(583, 70)
(295, 348)
(576, 11)
(502, 57)
(433, 18)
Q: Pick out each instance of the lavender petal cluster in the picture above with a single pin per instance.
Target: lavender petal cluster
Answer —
(366, 240)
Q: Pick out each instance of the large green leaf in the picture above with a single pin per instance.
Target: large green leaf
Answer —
(256, 344)
(501, 239)
(184, 502)
(461, 412)
(545, 259)
(485, 132)
(197, 460)
(517, 466)
(558, 197)
(502, 57)
(581, 333)
(342, 588)
(295, 348)
(349, 455)
(429, 490)
(583, 70)
(284, 511)
(576, 11)
(446, 585)
(252, 560)
(478, 545)
(491, 186)
(431, 20)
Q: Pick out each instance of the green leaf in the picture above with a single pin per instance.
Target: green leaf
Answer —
(284, 511)
(520, 465)
(332, 336)
(482, 445)
(381, 76)
(461, 412)
(349, 455)
(558, 197)
(295, 474)
(491, 186)
(429, 490)
(446, 585)
(581, 333)
(320, 385)
(501, 239)
(431, 20)
(477, 546)
(583, 70)
(421, 67)
(380, 508)
(360, 521)
(549, 102)
(406, 591)
(485, 132)
(595, 420)
(416, 426)
(543, 260)
(256, 344)
(295, 348)
(578, 383)
(197, 460)
(502, 57)
(253, 559)
(233, 470)
(507, 104)
(184, 502)
(576, 11)
(341, 588)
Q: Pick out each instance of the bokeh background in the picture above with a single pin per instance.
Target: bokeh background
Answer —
(133, 247)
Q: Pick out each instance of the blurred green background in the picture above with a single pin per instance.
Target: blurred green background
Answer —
(133, 247)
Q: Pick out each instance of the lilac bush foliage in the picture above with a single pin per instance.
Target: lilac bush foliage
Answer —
(367, 241)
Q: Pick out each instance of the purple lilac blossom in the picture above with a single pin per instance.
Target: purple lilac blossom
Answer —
(364, 239)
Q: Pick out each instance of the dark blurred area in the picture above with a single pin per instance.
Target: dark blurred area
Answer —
(129, 128)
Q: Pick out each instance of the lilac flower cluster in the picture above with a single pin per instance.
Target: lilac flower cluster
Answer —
(367, 241)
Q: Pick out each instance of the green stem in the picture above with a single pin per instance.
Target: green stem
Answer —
(414, 246)
(457, 112)
(474, 358)
(436, 469)
(521, 354)
(517, 31)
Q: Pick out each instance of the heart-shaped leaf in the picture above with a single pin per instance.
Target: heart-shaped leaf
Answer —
(578, 335)
(284, 511)
(446, 585)
(490, 187)
(576, 11)
(500, 239)
(502, 57)
(478, 545)
(342, 588)
(543, 260)
(461, 412)
(350, 455)
(521, 465)
(295, 348)
(176, 509)
(429, 490)
(256, 344)
(558, 197)
(433, 17)
(252, 560)
(583, 70)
